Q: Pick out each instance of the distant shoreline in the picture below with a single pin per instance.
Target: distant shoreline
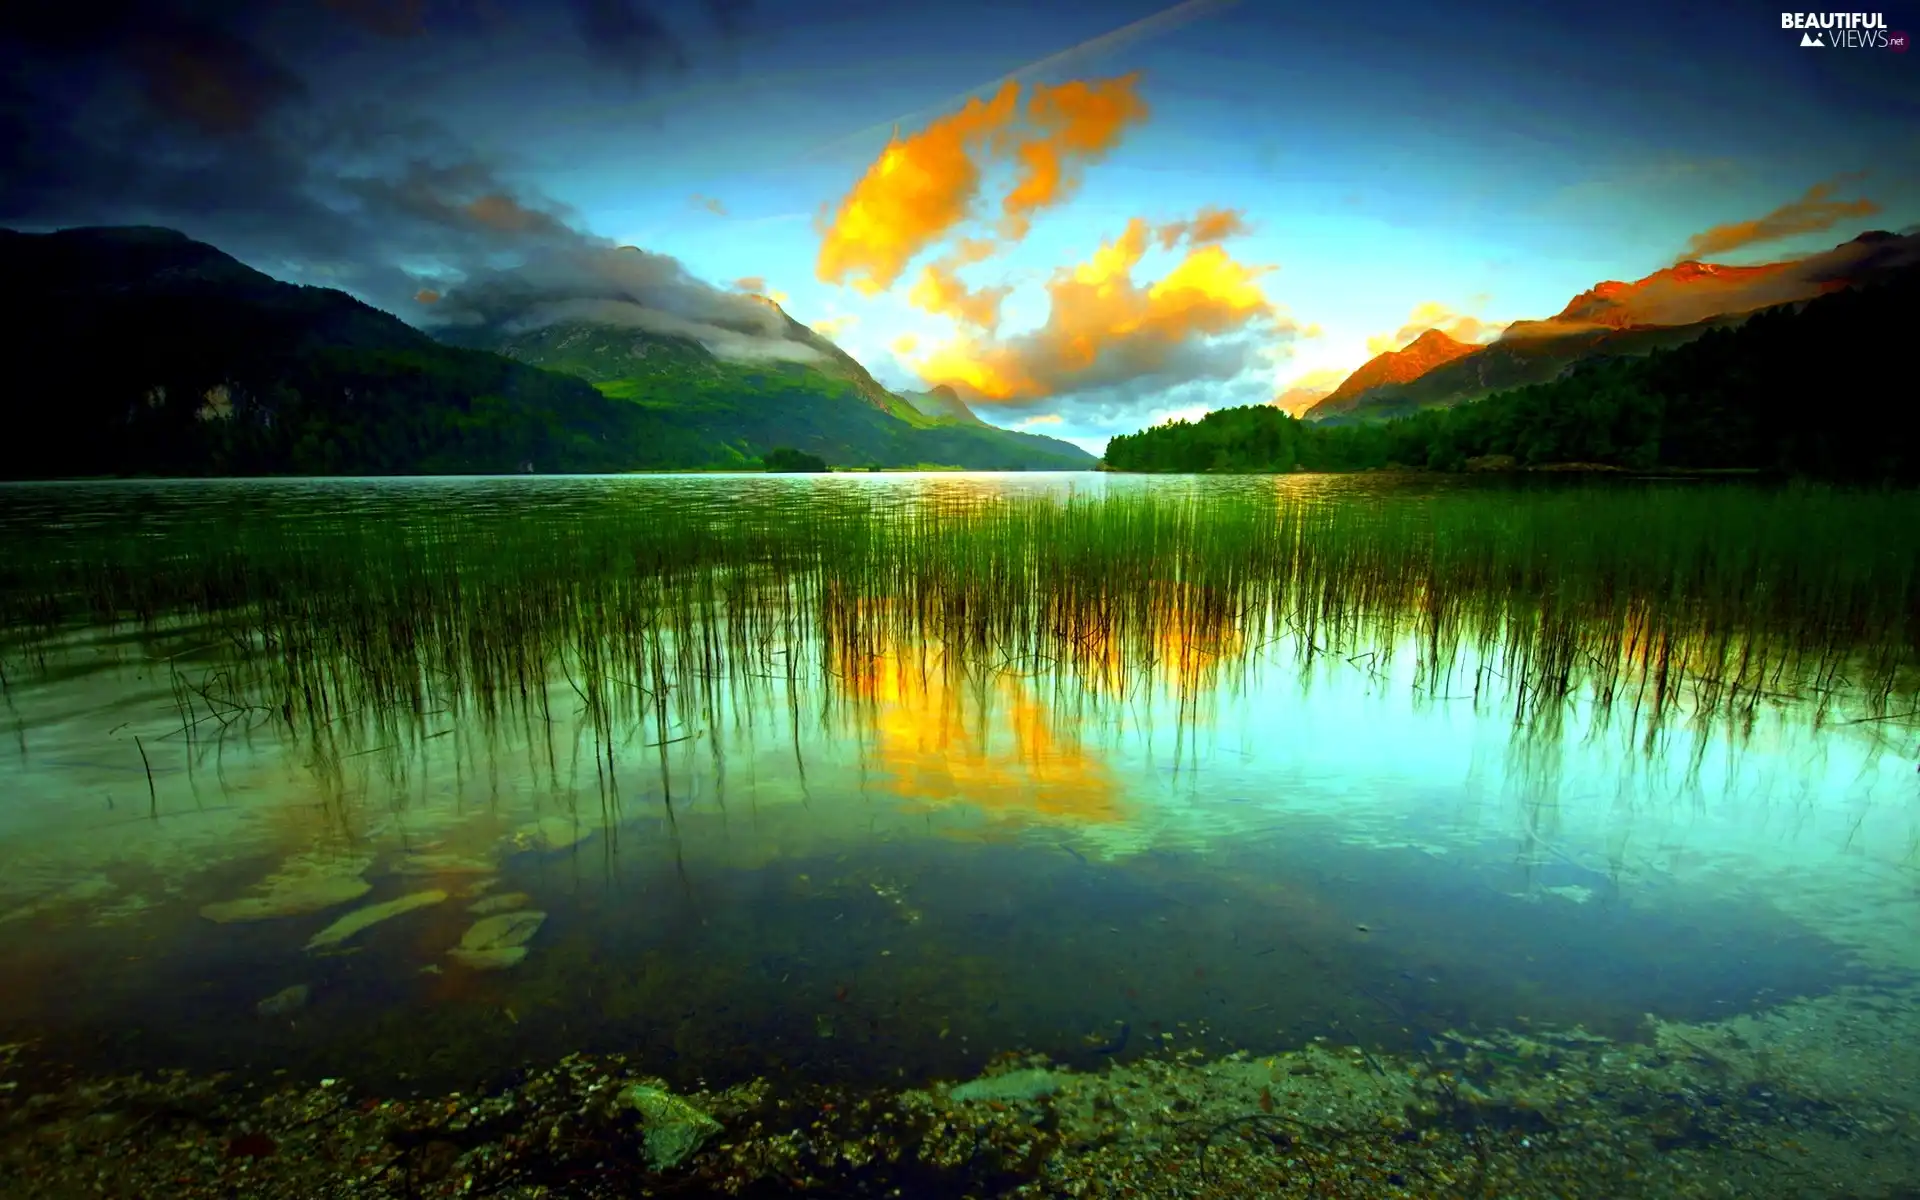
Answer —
(1566, 468)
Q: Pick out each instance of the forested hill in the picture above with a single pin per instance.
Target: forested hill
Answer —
(139, 351)
(1821, 389)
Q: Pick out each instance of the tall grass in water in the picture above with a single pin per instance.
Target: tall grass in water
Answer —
(1645, 601)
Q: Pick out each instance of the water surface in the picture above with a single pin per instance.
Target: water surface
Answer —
(882, 829)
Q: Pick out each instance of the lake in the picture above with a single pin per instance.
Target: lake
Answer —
(964, 834)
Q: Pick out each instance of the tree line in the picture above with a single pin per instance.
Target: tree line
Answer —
(1819, 389)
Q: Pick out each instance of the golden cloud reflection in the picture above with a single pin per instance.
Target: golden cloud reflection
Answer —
(1016, 747)
(942, 737)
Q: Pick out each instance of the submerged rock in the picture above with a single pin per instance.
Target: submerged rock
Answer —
(304, 885)
(504, 902)
(284, 1001)
(551, 833)
(674, 1129)
(443, 863)
(499, 941)
(1012, 1085)
(372, 914)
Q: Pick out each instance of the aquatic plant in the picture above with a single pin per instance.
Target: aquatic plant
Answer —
(349, 628)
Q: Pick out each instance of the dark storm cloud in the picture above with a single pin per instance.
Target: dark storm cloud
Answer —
(197, 64)
(391, 18)
(636, 39)
(628, 36)
(181, 113)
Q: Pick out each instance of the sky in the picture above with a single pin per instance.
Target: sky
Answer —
(1086, 217)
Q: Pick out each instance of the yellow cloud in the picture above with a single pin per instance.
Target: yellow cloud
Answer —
(1102, 327)
(917, 190)
(925, 185)
(940, 291)
(1207, 225)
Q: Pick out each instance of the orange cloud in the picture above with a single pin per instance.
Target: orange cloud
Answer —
(940, 290)
(1814, 211)
(427, 296)
(1208, 225)
(1431, 314)
(915, 192)
(1103, 328)
(1076, 123)
(923, 186)
(835, 326)
(905, 344)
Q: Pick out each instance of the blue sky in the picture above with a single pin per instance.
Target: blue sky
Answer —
(1486, 161)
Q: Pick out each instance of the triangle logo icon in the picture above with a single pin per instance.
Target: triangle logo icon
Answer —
(1811, 39)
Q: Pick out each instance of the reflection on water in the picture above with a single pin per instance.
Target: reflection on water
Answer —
(883, 830)
(942, 740)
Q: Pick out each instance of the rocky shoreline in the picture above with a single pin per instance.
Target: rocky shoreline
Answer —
(1698, 1113)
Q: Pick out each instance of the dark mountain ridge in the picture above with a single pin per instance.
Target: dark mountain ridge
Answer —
(143, 351)
(1799, 389)
(1670, 307)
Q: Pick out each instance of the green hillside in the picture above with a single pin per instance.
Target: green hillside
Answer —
(142, 352)
(724, 412)
(139, 351)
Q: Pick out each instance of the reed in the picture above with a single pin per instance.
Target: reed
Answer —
(1647, 602)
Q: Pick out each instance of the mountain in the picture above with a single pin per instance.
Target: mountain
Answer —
(833, 362)
(1796, 389)
(141, 351)
(146, 352)
(1431, 349)
(1510, 362)
(1613, 319)
(1682, 294)
(941, 401)
(730, 411)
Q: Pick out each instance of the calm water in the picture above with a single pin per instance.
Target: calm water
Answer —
(894, 877)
